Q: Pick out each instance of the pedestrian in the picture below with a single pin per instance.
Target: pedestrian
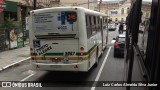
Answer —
(121, 28)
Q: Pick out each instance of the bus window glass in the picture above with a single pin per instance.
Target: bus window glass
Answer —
(144, 25)
(94, 18)
(98, 20)
(143, 33)
(90, 21)
(86, 21)
(88, 28)
(55, 22)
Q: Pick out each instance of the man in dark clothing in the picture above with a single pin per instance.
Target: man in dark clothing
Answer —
(121, 28)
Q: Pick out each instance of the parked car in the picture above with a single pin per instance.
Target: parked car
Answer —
(112, 26)
(119, 45)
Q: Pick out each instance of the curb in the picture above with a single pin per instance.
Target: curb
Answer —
(13, 64)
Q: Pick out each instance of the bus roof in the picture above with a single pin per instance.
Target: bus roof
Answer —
(69, 8)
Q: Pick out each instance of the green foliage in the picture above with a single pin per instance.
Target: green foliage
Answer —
(10, 23)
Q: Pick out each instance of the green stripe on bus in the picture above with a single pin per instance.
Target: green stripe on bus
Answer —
(53, 54)
(62, 54)
(86, 53)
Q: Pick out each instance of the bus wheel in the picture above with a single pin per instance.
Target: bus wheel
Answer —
(96, 63)
(106, 40)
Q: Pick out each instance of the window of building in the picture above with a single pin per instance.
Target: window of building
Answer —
(114, 12)
(122, 11)
(127, 10)
(116, 19)
(122, 20)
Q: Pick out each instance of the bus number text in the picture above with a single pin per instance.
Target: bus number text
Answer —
(70, 53)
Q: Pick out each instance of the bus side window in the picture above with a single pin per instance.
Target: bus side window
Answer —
(94, 25)
(94, 18)
(86, 21)
(88, 28)
(98, 23)
(90, 23)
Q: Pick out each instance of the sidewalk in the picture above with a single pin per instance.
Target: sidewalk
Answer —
(12, 56)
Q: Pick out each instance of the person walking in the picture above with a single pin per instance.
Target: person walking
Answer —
(121, 28)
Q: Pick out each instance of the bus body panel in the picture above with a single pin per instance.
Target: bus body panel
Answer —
(58, 47)
(82, 66)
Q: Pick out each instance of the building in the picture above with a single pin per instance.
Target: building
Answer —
(116, 10)
(90, 4)
(119, 9)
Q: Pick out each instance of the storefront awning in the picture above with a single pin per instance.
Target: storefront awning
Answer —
(10, 6)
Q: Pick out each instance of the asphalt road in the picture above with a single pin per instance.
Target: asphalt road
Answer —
(109, 69)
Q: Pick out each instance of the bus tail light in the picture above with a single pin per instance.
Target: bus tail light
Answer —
(116, 44)
(81, 53)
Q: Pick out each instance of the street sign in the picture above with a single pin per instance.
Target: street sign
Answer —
(2, 5)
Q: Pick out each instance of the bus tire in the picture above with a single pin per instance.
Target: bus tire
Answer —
(96, 63)
(106, 40)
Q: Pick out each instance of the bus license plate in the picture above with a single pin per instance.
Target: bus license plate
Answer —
(56, 66)
(56, 61)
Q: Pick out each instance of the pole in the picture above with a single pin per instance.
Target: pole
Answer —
(88, 4)
(99, 7)
(100, 4)
(34, 4)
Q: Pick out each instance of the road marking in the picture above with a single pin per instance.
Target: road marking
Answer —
(27, 77)
(100, 70)
(113, 41)
(5, 67)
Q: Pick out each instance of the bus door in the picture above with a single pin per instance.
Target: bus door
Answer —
(56, 33)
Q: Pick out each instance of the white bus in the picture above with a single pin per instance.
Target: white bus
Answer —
(67, 38)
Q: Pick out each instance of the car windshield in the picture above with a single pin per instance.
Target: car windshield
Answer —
(120, 39)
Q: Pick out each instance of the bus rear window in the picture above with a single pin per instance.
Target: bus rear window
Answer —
(61, 22)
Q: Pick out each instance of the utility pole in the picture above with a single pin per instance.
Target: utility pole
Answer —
(100, 4)
(88, 4)
(34, 4)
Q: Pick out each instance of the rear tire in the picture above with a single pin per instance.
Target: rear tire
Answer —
(96, 63)
(115, 55)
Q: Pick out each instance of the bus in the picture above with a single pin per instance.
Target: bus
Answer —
(67, 38)
(142, 52)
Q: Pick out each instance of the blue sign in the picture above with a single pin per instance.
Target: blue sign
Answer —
(114, 12)
(36, 43)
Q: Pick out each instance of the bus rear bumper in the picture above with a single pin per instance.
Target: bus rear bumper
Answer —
(82, 66)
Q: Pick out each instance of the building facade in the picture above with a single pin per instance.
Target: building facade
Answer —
(119, 9)
(90, 4)
(116, 10)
